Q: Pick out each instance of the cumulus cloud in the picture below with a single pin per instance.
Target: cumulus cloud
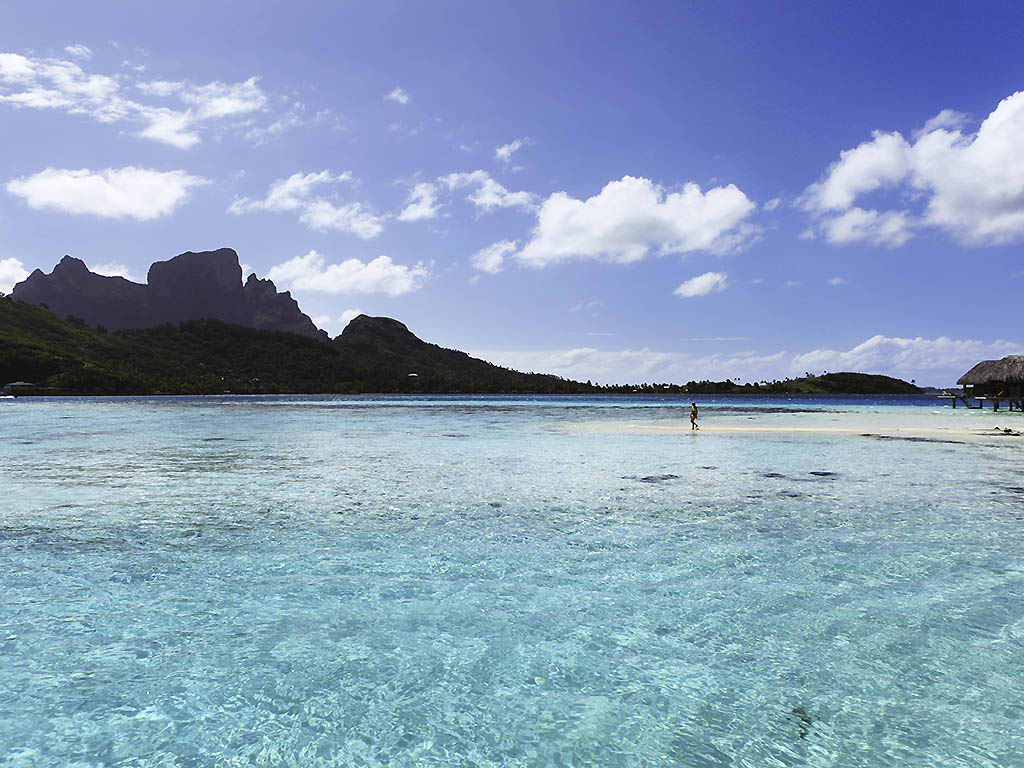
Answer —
(492, 258)
(116, 269)
(56, 84)
(348, 316)
(632, 217)
(335, 325)
(505, 151)
(300, 192)
(487, 193)
(702, 285)
(422, 203)
(381, 275)
(399, 96)
(970, 185)
(137, 193)
(12, 271)
(936, 361)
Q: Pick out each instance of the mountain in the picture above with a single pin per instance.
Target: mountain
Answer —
(391, 344)
(67, 356)
(191, 286)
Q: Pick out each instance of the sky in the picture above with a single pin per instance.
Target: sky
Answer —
(607, 191)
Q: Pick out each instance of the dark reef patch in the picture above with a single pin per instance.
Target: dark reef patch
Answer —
(912, 439)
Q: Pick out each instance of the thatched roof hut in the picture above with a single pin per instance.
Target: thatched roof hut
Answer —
(1009, 370)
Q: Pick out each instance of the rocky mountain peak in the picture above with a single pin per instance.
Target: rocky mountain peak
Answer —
(191, 286)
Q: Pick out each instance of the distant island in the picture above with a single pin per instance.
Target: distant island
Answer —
(194, 328)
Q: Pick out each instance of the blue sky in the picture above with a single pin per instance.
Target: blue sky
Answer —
(609, 191)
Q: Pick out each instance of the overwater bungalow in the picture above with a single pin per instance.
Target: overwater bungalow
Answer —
(995, 381)
(13, 388)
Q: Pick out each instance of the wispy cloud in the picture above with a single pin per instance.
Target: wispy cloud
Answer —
(82, 52)
(505, 151)
(492, 258)
(399, 96)
(176, 113)
(300, 192)
(702, 285)
(939, 361)
(487, 193)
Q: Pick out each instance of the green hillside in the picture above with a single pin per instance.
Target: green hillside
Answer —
(374, 354)
(65, 356)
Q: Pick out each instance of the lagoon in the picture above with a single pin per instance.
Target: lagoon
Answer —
(510, 581)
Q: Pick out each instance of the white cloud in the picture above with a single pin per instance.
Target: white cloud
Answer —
(970, 185)
(505, 151)
(892, 228)
(883, 161)
(399, 96)
(635, 366)
(348, 316)
(116, 269)
(772, 204)
(836, 281)
(170, 127)
(487, 193)
(49, 83)
(942, 359)
(289, 194)
(295, 117)
(335, 325)
(422, 203)
(702, 285)
(216, 100)
(587, 306)
(492, 258)
(947, 119)
(137, 193)
(12, 271)
(354, 218)
(631, 217)
(936, 361)
(298, 193)
(78, 51)
(381, 275)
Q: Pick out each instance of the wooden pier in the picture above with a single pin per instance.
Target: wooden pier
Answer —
(978, 401)
(993, 381)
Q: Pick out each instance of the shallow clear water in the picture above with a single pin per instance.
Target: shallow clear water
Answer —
(508, 582)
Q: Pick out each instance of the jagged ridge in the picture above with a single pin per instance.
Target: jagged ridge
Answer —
(191, 286)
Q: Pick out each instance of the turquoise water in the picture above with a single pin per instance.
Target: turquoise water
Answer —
(509, 582)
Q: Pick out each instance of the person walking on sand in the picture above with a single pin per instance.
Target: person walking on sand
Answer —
(693, 416)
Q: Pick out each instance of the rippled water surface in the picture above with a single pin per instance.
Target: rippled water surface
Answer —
(509, 582)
